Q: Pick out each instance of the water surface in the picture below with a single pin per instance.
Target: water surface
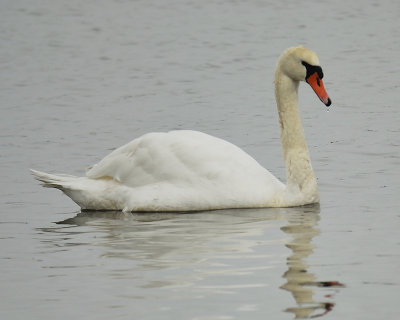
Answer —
(80, 78)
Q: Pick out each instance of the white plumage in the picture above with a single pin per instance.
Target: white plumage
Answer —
(189, 170)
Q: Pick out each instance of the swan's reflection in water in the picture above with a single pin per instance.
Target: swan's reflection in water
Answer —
(192, 249)
(302, 228)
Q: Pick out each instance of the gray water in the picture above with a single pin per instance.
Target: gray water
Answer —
(80, 78)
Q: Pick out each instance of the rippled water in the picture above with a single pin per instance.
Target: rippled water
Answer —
(80, 78)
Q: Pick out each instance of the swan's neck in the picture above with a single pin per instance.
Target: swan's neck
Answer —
(301, 182)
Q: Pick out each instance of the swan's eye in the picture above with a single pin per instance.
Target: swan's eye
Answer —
(311, 69)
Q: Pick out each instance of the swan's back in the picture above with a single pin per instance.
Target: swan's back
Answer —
(187, 169)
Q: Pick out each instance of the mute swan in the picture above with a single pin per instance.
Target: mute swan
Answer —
(188, 170)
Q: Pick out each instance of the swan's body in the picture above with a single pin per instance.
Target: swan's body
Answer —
(189, 170)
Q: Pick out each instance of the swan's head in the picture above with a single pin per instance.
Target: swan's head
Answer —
(302, 64)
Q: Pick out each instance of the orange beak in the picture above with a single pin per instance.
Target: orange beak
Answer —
(318, 86)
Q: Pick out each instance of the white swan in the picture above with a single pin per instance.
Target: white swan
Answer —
(189, 170)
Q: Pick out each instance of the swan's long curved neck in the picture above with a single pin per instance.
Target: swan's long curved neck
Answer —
(300, 176)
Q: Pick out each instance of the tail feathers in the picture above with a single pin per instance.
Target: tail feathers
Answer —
(89, 194)
(59, 181)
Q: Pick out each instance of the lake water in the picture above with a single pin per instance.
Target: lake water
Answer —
(80, 78)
